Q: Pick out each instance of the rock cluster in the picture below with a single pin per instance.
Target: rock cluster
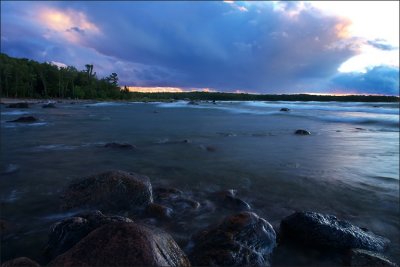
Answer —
(243, 238)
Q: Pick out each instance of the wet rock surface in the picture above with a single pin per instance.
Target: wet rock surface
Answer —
(176, 200)
(124, 244)
(302, 132)
(18, 105)
(119, 145)
(159, 211)
(20, 262)
(319, 230)
(228, 199)
(361, 257)
(66, 233)
(25, 119)
(241, 239)
(109, 191)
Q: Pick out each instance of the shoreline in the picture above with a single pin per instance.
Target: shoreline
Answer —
(145, 99)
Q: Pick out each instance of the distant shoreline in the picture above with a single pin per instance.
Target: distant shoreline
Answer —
(214, 96)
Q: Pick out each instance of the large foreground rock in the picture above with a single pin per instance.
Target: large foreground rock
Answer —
(65, 234)
(241, 239)
(124, 244)
(110, 191)
(361, 257)
(20, 262)
(319, 230)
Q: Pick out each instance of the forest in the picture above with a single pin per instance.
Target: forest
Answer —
(25, 78)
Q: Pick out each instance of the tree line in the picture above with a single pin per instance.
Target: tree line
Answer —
(21, 77)
(219, 96)
(26, 78)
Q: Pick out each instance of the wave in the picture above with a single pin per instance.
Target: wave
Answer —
(392, 122)
(337, 112)
(15, 112)
(58, 147)
(106, 104)
(346, 107)
(17, 124)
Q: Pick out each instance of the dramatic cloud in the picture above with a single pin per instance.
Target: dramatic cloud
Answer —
(377, 80)
(267, 47)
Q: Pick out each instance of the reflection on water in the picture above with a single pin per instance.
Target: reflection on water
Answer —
(349, 166)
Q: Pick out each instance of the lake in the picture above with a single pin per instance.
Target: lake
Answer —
(348, 166)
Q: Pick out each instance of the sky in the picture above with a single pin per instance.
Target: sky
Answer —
(273, 47)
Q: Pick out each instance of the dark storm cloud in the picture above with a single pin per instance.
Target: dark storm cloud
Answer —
(255, 46)
(377, 80)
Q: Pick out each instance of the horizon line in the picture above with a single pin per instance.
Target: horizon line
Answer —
(169, 89)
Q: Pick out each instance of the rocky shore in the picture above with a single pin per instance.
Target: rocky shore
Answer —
(114, 230)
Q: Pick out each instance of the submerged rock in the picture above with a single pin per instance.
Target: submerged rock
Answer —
(241, 239)
(302, 132)
(176, 200)
(110, 191)
(319, 230)
(119, 145)
(192, 103)
(18, 105)
(124, 244)
(285, 109)
(25, 119)
(229, 199)
(49, 105)
(65, 234)
(20, 262)
(361, 257)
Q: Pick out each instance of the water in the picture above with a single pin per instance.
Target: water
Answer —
(348, 167)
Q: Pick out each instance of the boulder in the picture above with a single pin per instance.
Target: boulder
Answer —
(159, 211)
(20, 262)
(109, 191)
(49, 105)
(124, 244)
(302, 132)
(25, 119)
(239, 240)
(319, 230)
(285, 109)
(176, 200)
(18, 105)
(361, 257)
(119, 145)
(65, 234)
(229, 199)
